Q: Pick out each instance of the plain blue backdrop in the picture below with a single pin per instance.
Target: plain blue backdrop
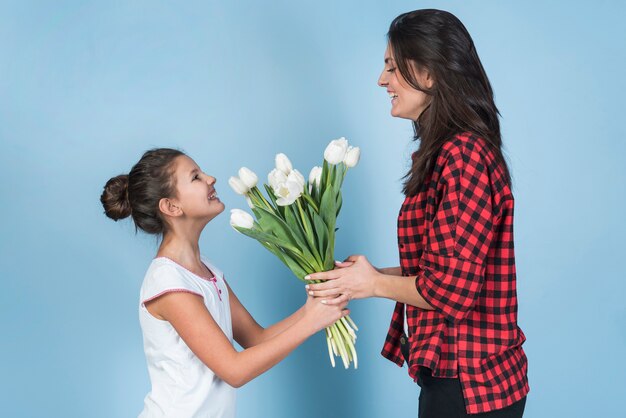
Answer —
(86, 87)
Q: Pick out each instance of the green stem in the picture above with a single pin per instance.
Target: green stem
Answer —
(262, 198)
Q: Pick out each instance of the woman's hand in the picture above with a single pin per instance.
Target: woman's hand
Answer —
(355, 278)
(321, 315)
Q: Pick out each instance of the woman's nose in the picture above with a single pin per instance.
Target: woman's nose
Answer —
(382, 80)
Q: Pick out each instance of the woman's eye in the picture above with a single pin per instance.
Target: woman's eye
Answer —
(391, 70)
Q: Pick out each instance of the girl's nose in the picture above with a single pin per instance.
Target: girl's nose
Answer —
(211, 180)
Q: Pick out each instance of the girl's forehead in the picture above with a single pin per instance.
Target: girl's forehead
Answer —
(185, 163)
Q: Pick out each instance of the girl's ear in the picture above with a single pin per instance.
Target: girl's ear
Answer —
(169, 207)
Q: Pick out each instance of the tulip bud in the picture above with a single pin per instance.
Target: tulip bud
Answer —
(248, 177)
(238, 186)
(352, 157)
(296, 176)
(276, 177)
(283, 163)
(315, 177)
(288, 192)
(336, 151)
(241, 219)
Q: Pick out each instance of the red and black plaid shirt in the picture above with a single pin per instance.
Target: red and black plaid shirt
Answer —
(456, 236)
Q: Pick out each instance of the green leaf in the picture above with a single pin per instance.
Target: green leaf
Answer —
(295, 226)
(325, 177)
(339, 202)
(272, 223)
(296, 269)
(321, 232)
(265, 237)
(328, 212)
(340, 172)
(303, 256)
(280, 210)
(291, 264)
(328, 207)
(308, 232)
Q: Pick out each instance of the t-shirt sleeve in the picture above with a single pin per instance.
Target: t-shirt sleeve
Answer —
(166, 279)
(452, 267)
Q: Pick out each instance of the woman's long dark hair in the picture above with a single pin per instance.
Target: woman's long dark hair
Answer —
(461, 95)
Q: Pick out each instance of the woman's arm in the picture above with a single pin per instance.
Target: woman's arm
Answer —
(196, 326)
(357, 278)
(247, 332)
(392, 271)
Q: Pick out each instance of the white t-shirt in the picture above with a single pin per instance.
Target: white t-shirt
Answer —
(183, 386)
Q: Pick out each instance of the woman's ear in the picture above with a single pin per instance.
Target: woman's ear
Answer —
(426, 79)
(169, 207)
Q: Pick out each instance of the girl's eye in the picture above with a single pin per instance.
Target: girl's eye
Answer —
(196, 177)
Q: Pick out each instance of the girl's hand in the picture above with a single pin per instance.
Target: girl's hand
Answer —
(354, 279)
(320, 315)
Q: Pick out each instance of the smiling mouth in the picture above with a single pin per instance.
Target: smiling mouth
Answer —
(393, 96)
(213, 195)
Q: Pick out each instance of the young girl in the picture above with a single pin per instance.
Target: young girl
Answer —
(455, 320)
(189, 315)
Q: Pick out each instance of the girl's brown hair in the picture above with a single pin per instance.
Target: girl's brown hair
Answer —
(138, 193)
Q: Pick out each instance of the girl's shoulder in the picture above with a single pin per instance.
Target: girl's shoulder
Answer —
(164, 275)
(214, 269)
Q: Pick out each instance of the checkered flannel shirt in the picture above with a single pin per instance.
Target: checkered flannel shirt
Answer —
(456, 238)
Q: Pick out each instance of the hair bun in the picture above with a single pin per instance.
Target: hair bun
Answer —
(115, 198)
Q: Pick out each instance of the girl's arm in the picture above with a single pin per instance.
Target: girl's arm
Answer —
(196, 326)
(247, 332)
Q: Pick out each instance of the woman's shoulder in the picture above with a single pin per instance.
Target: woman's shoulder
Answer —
(466, 144)
(471, 156)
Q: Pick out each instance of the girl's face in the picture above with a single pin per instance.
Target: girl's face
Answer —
(196, 196)
(406, 102)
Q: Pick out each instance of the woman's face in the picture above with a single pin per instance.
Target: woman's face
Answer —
(195, 191)
(406, 102)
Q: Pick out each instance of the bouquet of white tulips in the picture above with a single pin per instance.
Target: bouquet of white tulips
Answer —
(297, 223)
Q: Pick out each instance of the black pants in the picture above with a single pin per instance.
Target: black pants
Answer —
(443, 397)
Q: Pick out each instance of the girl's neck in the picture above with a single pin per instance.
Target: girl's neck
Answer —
(182, 249)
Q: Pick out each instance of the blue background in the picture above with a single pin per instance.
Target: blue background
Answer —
(86, 87)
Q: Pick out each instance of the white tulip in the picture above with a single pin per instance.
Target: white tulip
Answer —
(315, 177)
(283, 163)
(288, 192)
(336, 151)
(249, 201)
(296, 176)
(248, 177)
(352, 156)
(241, 219)
(238, 186)
(276, 177)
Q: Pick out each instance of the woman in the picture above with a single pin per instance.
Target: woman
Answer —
(456, 285)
